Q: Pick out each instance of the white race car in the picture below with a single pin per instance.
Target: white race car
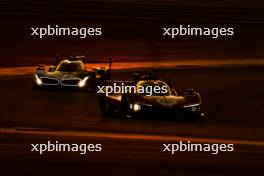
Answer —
(71, 73)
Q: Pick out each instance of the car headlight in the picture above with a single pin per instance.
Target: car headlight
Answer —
(82, 83)
(38, 81)
(136, 107)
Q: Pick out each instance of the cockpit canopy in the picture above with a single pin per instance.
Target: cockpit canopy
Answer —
(70, 66)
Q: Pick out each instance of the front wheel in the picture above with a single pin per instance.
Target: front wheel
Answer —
(124, 109)
(106, 107)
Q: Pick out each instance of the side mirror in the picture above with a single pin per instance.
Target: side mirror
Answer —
(173, 92)
(52, 68)
(40, 69)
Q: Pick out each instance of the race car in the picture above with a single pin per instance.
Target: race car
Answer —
(71, 73)
(166, 103)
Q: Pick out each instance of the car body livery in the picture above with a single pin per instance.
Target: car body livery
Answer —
(163, 104)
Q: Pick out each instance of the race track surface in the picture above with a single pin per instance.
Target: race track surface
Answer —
(232, 102)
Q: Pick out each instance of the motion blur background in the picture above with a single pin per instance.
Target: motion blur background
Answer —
(132, 30)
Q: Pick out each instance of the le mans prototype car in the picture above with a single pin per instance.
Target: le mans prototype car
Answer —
(71, 73)
(169, 104)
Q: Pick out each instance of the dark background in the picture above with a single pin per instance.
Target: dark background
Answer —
(130, 28)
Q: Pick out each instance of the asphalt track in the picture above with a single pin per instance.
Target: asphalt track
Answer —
(121, 156)
(232, 102)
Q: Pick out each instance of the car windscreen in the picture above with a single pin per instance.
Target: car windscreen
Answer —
(70, 67)
(154, 88)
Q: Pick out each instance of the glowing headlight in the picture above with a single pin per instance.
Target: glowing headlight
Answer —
(136, 107)
(38, 81)
(82, 83)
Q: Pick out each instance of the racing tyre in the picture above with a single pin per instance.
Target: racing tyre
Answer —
(124, 109)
